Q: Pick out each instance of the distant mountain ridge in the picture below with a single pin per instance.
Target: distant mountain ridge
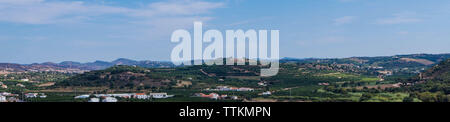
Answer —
(77, 67)
(415, 61)
(389, 62)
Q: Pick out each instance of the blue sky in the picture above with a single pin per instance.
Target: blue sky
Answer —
(88, 30)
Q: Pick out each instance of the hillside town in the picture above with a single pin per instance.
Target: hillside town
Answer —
(113, 97)
(228, 88)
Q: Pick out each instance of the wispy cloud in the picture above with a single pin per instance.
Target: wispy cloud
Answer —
(42, 12)
(20, 1)
(51, 12)
(344, 20)
(181, 8)
(400, 18)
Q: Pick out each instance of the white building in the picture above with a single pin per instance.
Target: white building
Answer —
(31, 95)
(20, 85)
(267, 93)
(25, 80)
(94, 100)
(5, 94)
(42, 95)
(3, 99)
(124, 95)
(141, 96)
(227, 88)
(109, 99)
(160, 95)
(245, 89)
(262, 83)
(82, 97)
(214, 96)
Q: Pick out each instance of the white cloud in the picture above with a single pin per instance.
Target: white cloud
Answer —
(51, 12)
(150, 22)
(400, 18)
(20, 1)
(184, 7)
(42, 12)
(344, 20)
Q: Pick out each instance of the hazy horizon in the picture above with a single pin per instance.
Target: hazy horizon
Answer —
(37, 31)
(171, 61)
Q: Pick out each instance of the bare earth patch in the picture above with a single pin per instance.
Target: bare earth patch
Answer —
(383, 86)
(46, 84)
(183, 83)
(422, 61)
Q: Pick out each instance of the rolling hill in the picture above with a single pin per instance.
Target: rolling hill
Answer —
(413, 63)
(387, 62)
(440, 71)
(120, 76)
(77, 67)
